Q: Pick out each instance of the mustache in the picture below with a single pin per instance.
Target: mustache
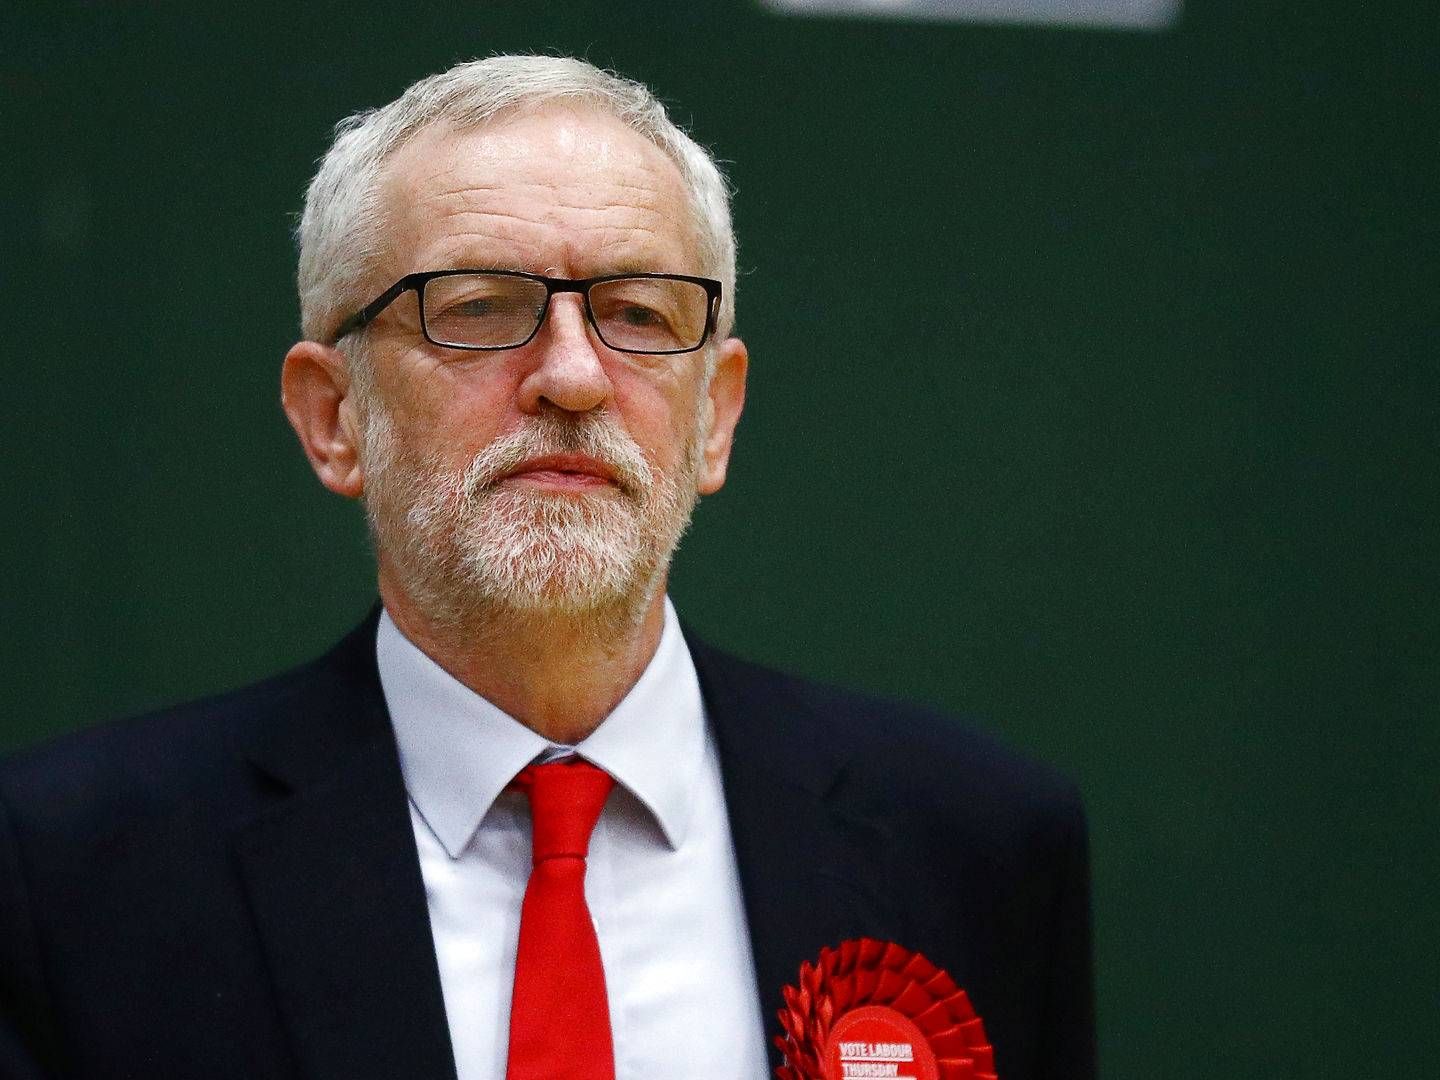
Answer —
(595, 435)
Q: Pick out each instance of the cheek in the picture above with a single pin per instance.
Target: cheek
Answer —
(659, 416)
(455, 410)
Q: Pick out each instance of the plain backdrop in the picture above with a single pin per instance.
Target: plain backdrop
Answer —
(1093, 396)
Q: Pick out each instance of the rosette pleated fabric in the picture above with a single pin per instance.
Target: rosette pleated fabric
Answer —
(864, 986)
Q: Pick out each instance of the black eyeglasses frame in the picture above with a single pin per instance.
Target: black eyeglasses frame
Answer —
(416, 282)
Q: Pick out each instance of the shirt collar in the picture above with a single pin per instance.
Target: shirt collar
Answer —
(458, 750)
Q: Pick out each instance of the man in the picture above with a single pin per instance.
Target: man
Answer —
(517, 288)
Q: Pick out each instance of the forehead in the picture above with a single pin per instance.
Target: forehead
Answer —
(564, 189)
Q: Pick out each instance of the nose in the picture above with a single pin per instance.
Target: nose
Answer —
(568, 373)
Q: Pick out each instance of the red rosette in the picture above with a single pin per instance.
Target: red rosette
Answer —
(870, 1008)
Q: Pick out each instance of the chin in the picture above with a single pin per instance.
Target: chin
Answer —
(569, 581)
(539, 555)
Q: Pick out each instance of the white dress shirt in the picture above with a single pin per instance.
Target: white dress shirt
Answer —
(661, 880)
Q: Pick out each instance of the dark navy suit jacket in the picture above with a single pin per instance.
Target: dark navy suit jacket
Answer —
(230, 889)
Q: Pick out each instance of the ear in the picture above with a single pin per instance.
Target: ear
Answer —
(315, 393)
(726, 394)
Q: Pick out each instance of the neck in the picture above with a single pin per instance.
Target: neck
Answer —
(558, 674)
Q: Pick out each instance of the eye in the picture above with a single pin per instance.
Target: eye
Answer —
(473, 308)
(640, 316)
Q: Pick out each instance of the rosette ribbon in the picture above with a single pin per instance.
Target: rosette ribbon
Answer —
(839, 1019)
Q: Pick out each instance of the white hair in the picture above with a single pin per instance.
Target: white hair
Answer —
(340, 230)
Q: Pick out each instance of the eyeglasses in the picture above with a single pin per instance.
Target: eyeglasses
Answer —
(503, 309)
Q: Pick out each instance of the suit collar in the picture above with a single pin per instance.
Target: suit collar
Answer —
(763, 723)
(326, 712)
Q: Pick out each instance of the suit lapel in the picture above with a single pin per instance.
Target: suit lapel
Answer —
(812, 873)
(333, 878)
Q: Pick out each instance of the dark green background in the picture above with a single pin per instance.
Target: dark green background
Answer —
(1093, 392)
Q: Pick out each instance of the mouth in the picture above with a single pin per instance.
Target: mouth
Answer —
(563, 472)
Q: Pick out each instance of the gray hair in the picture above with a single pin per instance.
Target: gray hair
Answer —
(339, 234)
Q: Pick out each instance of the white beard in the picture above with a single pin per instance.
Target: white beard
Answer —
(464, 545)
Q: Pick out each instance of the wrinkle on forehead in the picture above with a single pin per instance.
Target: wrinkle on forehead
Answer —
(459, 207)
(557, 179)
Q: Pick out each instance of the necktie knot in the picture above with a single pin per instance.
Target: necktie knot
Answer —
(566, 798)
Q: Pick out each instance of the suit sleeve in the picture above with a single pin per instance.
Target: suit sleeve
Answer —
(26, 1038)
(1068, 1052)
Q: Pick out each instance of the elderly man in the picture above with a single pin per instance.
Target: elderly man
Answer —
(518, 823)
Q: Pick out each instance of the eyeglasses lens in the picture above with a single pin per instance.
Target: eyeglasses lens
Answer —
(650, 315)
(488, 311)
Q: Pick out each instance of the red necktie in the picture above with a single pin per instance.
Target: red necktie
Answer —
(559, 1016)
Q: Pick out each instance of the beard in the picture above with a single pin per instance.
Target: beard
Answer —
(465, 544)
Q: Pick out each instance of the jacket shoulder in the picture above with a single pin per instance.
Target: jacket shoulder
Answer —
(909, 752)
(185, 754)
